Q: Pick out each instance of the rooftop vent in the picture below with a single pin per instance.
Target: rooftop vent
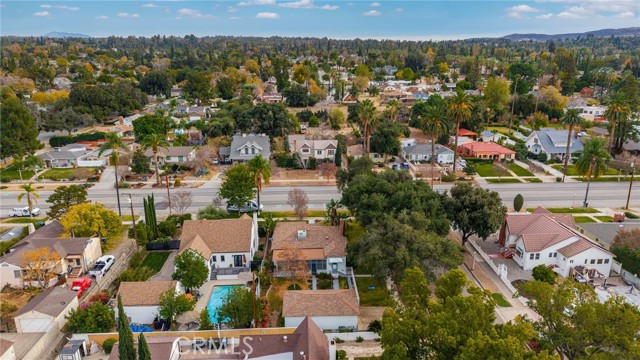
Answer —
(302, 234)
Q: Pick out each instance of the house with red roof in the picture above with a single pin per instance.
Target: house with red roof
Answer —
(486, 150)
(552, 240)
(468, 133)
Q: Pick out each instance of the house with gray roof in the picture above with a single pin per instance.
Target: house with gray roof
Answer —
(422, 152)
(73, 155)
(46, 311)
(553, 143)
(604, 233)
(245, 147)
(319, 149)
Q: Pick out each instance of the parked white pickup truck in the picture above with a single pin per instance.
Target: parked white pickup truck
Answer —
(102, 265)
(21, 212)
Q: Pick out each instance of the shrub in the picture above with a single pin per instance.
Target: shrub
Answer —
(179, 219)
(375, 326)
(631, 215)
(518, 202)
(359, 339)
(558, 179)
(314, 121)
(281, 159)
(167, 228)
(448, 178)
(312, 163)
(107, 345)
(294, 287)
(544, 274)
(542, 157)
(340, 354)
(325, 284)
(177, 183)
(338, 340)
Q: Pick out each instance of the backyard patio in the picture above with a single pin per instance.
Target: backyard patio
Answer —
(492, 249)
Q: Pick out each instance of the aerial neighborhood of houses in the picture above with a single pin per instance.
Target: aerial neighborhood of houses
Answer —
(275, 198)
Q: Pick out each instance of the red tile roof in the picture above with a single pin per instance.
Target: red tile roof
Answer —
(487, 147)
(465, 132)
(577, 247)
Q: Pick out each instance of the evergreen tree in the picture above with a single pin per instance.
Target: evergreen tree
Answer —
(143, 348)
(126, 350)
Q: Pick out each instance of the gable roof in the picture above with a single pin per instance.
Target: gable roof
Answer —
(296, 142)
(425, 149)
(541, 229)
(489, 146)
(320, 303)
(465, 132)
(51, 302)
(143, 293)
(578, 247)
(320, 242)
(259, 141)
(555, 141)
(171, 151)
(217, 236)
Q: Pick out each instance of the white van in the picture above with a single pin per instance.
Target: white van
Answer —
(21, 212)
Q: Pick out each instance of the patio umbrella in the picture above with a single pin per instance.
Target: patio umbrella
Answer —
(187, 317)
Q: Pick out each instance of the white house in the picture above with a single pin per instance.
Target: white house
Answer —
(172, 154)
(553, 143)
(245, 147)
(227, 245)
(140, 299)
(319, 149)
(73, 155)
(543, 238)
(329, 309)
(593, 112)
(46, 311)
(422, 152)
(322, 247)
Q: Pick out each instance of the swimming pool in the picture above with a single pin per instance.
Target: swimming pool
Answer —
(215, 300)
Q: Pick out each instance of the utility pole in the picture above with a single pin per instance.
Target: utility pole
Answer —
(253, 296)
(168, 195)
(135, 231)
(633, 172)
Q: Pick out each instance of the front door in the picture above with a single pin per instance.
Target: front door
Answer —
(237, 260)
(314, 268)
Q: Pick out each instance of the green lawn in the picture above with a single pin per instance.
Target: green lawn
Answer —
(10, 173)
(572, 171)
(377, 297)
(156, 259)
(353, 231)
(26, 220)
(503, 181)
(533, 180)
(578, 210)
(489, 170)
(69, 174)
(519, 170)
(583, 219)
(500, 300)
(605, 218)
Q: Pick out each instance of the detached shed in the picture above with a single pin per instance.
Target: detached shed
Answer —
(73, 350)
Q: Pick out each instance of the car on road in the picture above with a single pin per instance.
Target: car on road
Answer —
(102, 265)
(250, 206)
(80, 285)
(22, 212)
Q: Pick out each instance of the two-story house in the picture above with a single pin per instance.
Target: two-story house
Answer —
(322, 247)
(543, 238)
(553, 143)
(227, 246)
(319, 149)
(245, 147)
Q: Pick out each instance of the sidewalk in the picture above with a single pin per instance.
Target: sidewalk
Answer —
(552, 171)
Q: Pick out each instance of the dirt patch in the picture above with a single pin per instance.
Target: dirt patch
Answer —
(421, 137)
(368, 314)
(17, 297)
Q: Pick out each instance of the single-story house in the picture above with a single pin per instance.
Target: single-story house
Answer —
(329, 309)
(496, 137)
(46, 311)
(322, 247)
(247, 146)
(227, 245)
(468, 133)
(140, 299)
(543, 238)
(632, 146)
(172, 155)
(74, 155)
(461, 140)
(77, 255)
(271, 98)
(422, 152)
(319, 149)
(553, 143)
(486, 150)
(593, 112)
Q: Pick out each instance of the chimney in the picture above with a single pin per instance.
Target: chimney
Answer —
(244, 135)
(302, 234)
(120, 120)
(341, 227)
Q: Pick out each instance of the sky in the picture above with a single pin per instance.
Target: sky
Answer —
(342, 19)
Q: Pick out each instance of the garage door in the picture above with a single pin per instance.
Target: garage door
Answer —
(34, 325)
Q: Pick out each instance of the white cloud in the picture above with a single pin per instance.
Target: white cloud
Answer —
(235, 18)
(61, 7)
(626, 14)
(301, 4)
(399, 9)
(350, 4)
(101, 17)
(257, 3)
(42, 13)
(520, 11)
(267, 15)
(193, 13)
(568, 15)
(372, 13)
(231, 9)
(127, 15)
(150, 5)
(374, 4)
(330, 7)
(545, 16)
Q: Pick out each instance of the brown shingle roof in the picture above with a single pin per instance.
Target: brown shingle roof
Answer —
(320, 303)
(217, 236)
(143, 293)
(327, 238)
(171, 151)
(50, 302)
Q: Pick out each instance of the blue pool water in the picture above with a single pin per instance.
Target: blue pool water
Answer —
(215, 300)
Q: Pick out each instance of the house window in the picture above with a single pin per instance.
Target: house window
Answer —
(531, 256)
(593, 261)
(305, 150)
(599, 261)
(570, 261)
(180, 158)
(16, 274)
(253, 150)
(77, 262)
(519, 252)
(550, 254)
(555, 254)
(330, 152)
(246, 151)
(318, 152)
(222, 258)
(168, 158)
(606, 261)
(214, 258)
(537, 256)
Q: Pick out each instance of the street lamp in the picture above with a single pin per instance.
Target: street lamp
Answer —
(633, 172)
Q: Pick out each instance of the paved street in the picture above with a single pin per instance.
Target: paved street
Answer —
(602, 194)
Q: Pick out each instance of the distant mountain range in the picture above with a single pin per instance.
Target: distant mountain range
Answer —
(631, 31)
(62, 35)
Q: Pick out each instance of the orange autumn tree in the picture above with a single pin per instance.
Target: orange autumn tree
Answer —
(293, 265)
(39, 265)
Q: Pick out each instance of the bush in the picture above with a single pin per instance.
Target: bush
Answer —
(375, 326)
(312, 163)
(340, 354)
(359, 339)
(518, 202)
(294, 287)
(558, 179)
(631, 215)
(313, 121)
(325, 284)
(167, 228)
(448, 178)
(177, 183)
(179, 219)
(544, 274)
(281, 159)
(542, 157)
(107, 345)
(338, 340)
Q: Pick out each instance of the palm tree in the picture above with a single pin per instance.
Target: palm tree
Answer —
(114, 143)
(332, 212)
(459, 110)
(571, 118)
(32, 195)
(434, 125)
(617, 112)
(366, 114)
(393, 107)
(261, 170)
(155, 142)
(592, 162)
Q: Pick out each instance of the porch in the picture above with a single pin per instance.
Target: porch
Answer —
(227, 273)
